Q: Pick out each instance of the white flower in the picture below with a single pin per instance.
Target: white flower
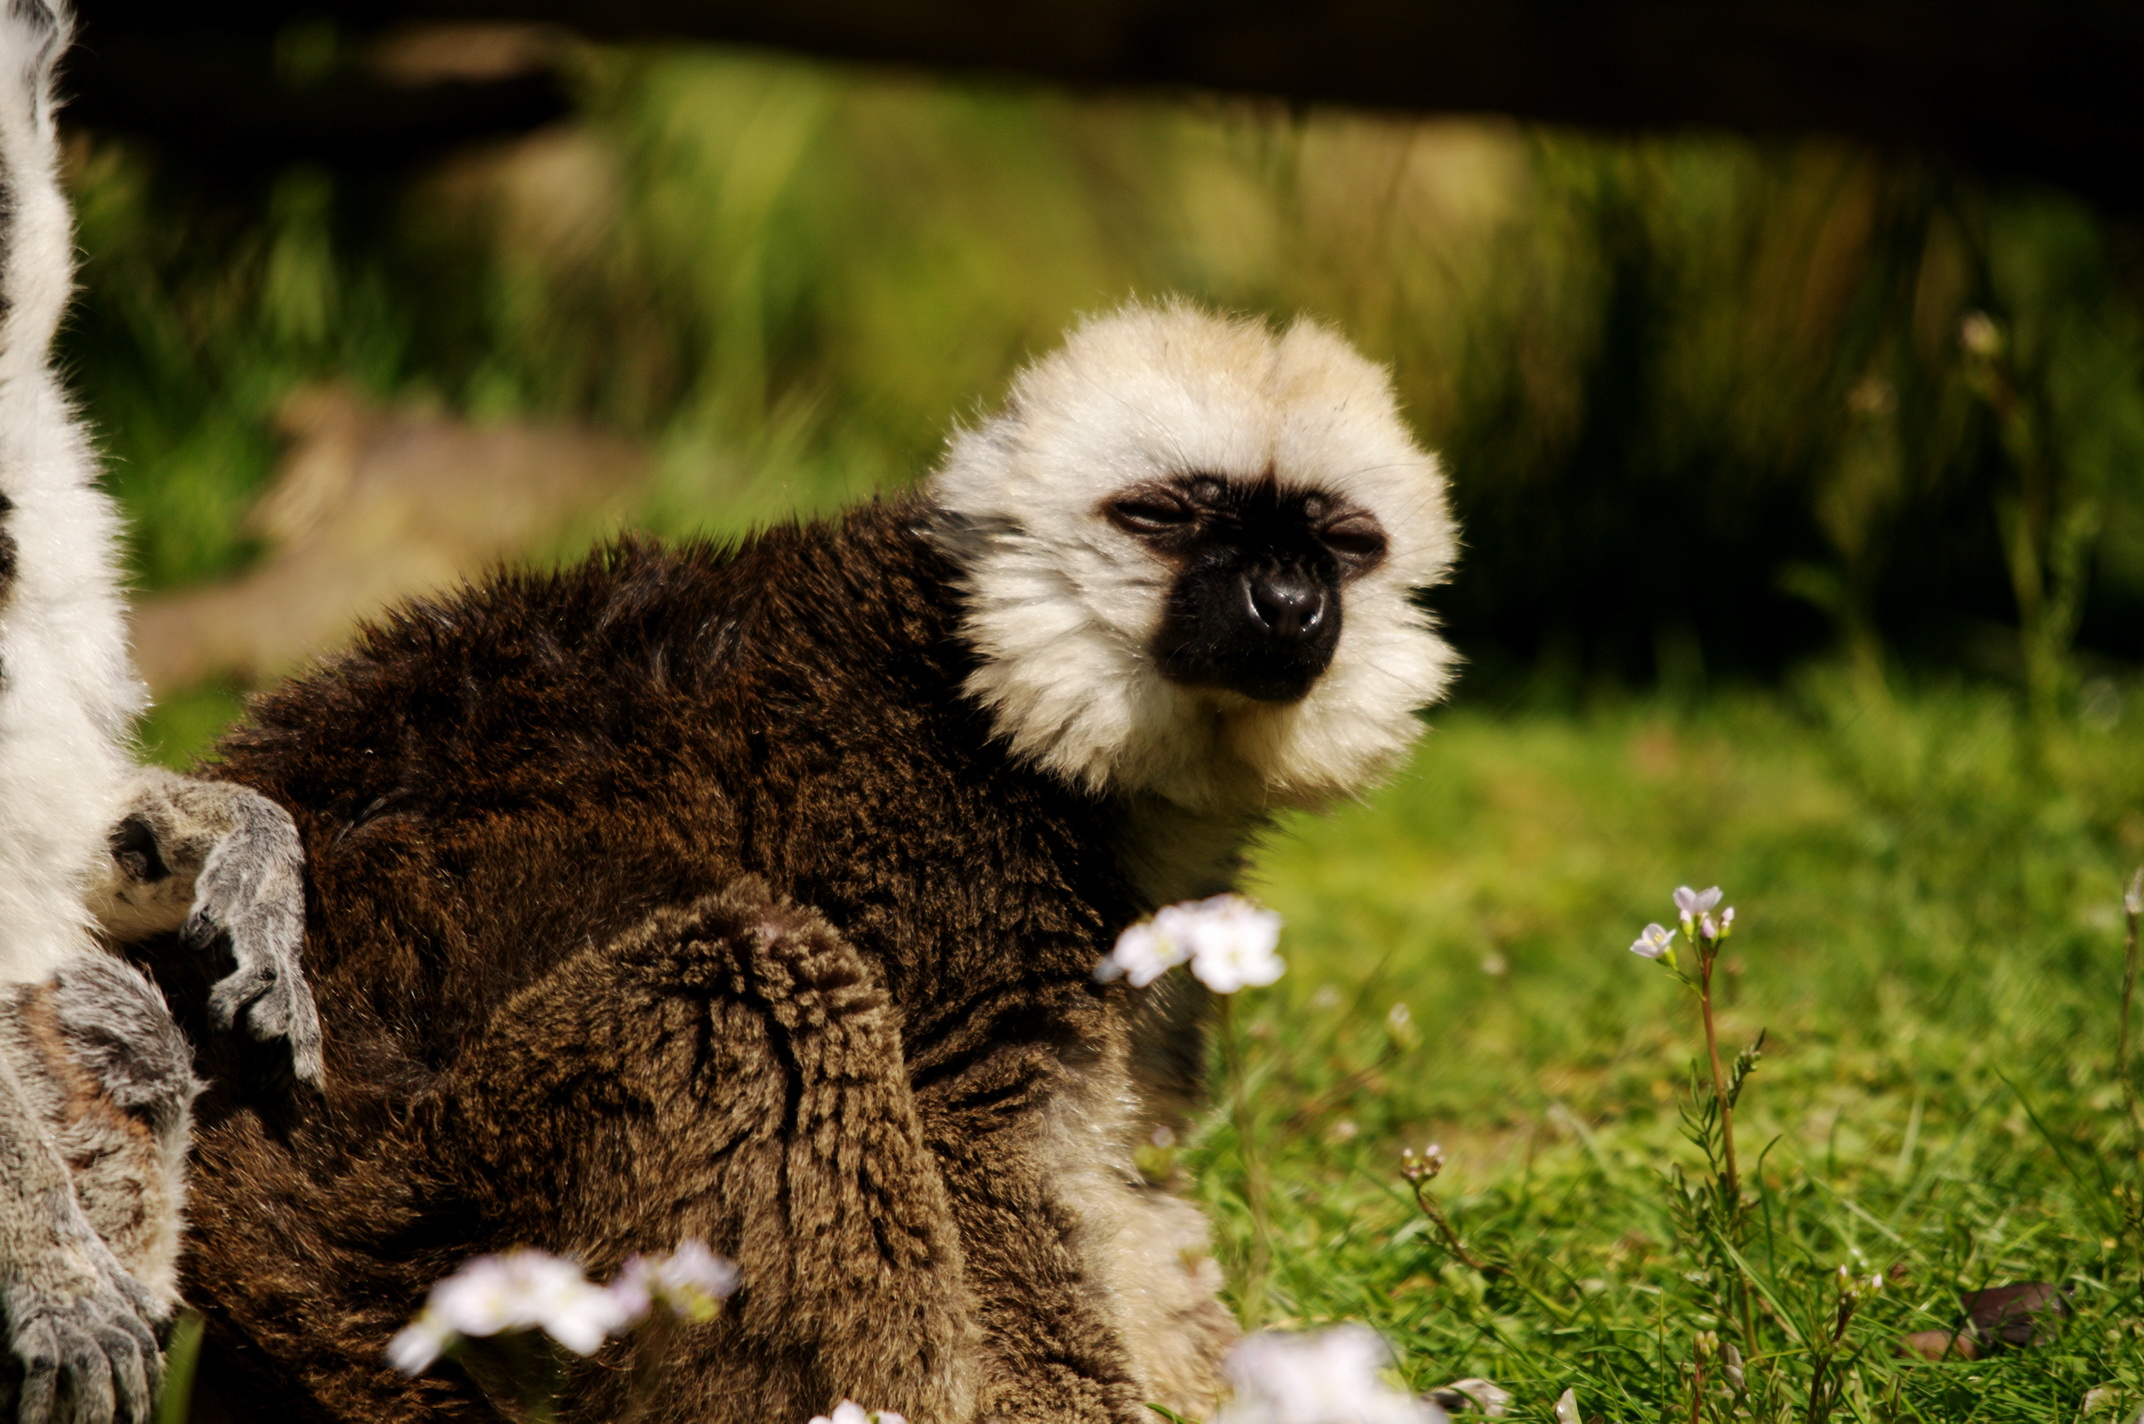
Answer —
(1229, 941)
(690, 1282)
(419, 1343)
(1653, 942)
(1692, 903)
(518, 1290)
(1232, 942)
(850, 1412)
(1327, 1377)
(1143, 954)
(1567, 1407)
(2133, 898)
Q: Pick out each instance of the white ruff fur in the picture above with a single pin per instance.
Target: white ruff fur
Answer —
(1063, 606)
(68, 694)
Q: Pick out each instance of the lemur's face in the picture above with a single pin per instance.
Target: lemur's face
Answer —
(1191, 548)
(1256, 574)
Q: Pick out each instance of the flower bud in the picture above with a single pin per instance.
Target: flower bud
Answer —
(1979, 335)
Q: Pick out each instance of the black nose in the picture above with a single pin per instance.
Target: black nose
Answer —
(1289, 605)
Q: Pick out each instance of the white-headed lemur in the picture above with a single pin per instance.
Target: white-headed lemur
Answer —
(96, 1079)
(754, 894)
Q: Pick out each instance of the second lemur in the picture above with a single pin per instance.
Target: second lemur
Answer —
(95, 1078)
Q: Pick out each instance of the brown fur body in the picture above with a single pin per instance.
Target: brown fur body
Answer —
(684, 894)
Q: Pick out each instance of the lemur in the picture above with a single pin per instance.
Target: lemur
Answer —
(95, 1077)
(754, 894)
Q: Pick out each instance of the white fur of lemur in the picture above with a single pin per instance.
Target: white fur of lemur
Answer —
(1063, 605)
(1063, 611)
(96, 1079)
(68, 694)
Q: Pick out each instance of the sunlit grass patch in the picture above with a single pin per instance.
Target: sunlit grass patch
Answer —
(1930, 934)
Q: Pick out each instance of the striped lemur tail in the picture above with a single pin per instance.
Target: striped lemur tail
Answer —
(36, 233)
(95, 1077)
(67, 686)
(88, 840)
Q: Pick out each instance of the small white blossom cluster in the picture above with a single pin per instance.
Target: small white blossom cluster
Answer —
(1331, 1376)
(534, 1290)
(1229, 941)
(690, 1283)
(850, 1412)
(1694, 908)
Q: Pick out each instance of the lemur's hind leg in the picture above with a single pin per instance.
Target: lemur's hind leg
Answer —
(220, 862)
(731, 1071)
(127, 1072)
(96, 1083)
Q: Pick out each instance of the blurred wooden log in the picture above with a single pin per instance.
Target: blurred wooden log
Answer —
(246, 90)
(2037, 90)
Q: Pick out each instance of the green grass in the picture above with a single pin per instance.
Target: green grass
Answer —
(1929, 933)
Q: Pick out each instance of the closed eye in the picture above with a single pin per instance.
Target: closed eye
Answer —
(1357, 538)
(1150, 514)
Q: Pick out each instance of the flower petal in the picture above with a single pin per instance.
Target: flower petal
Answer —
(419, 1343)
(1652, 942)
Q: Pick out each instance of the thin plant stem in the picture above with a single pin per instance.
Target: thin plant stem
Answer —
(2132, 1197)
(1733, 1179)
(1437, 1218)
(1820, 1399)
(1731, 1187)
(175, 1403)
(2122, 1068)
(650, 1357)
(1254, 1169)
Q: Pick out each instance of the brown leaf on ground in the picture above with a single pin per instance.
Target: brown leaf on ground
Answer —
(1939, 1345)
(2018, 1315)
(1999, 1318)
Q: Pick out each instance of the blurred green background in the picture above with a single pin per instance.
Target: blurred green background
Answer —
(1803, 495)
(1711, 407)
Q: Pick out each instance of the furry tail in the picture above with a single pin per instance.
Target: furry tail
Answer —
(36, 232)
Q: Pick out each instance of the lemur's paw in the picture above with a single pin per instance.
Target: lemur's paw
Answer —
(85, 1337)
(251, 892)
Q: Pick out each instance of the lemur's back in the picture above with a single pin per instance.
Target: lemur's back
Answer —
(497, 779)
(509, 796)
(67, 692)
